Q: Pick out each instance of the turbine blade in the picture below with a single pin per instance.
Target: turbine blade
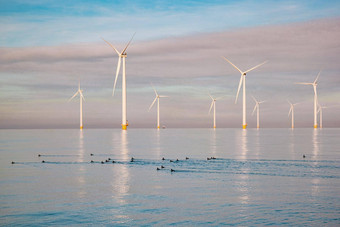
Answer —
(81, 94)
(210, 96)
(304, 83)
(73, 96)
(256, 67)
(123, 52)
(317, 77)
(112, 46)
(290, 110)
(117, 72)
(289, 102)
(262, 101)
(152, 103)
(254, 109)
(211, 106)
(163, 96)
(233, 65)
(254, 99)
(154, 90)
(238, 89)
(314, 87)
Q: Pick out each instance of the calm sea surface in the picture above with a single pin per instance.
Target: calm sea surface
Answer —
(259, 177)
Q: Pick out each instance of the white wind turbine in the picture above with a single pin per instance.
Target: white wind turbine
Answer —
(157, 99)
(257, 107)
(213, 104)
(243, 81)
(320, 112)
(121, 55)
(291, 111)
(315, 83)
(81, 97)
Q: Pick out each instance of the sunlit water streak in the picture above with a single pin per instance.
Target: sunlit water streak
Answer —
(259, 177)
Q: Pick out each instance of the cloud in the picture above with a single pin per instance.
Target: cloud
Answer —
(185, 68)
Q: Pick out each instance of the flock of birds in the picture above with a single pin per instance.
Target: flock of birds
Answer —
(109, 160)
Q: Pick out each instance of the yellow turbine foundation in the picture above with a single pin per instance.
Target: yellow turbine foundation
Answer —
(315, 126)
(124, 127)
(81, 127)
(158, 127)
(244, 126)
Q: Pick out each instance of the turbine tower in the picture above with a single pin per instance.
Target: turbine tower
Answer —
(81, 97)
(315, 83)
(157, 99)
(243, 81)
(291, 111)
(213, 104)
(121, 55)
(257, 107)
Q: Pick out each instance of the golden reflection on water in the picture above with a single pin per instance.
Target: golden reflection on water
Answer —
(158, 144)
(315, 143)
(121, 175)
(315, 181)
(243, 177)
(81, 170)
(213, 142)
(244, 145)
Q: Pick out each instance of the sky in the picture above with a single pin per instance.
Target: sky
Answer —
(48, 46)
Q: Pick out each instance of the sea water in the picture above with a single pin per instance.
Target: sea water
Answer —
(257, 177)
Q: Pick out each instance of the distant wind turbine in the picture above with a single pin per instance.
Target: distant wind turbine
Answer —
(257, 107)
(81, 97)
(320, 112)
(291, 111)
(213, 104)
(121, 55)
(157, 99)
(315, 83)
(243, 80)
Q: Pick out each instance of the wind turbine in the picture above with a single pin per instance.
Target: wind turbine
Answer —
(213, 104)
(81, 97)
(315, 83)
(320, 111)
(243, 81)
(121, 55)
(257, 107)
(157, 99)
(291, 111)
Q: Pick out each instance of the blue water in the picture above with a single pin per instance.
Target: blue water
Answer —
(259, 177)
